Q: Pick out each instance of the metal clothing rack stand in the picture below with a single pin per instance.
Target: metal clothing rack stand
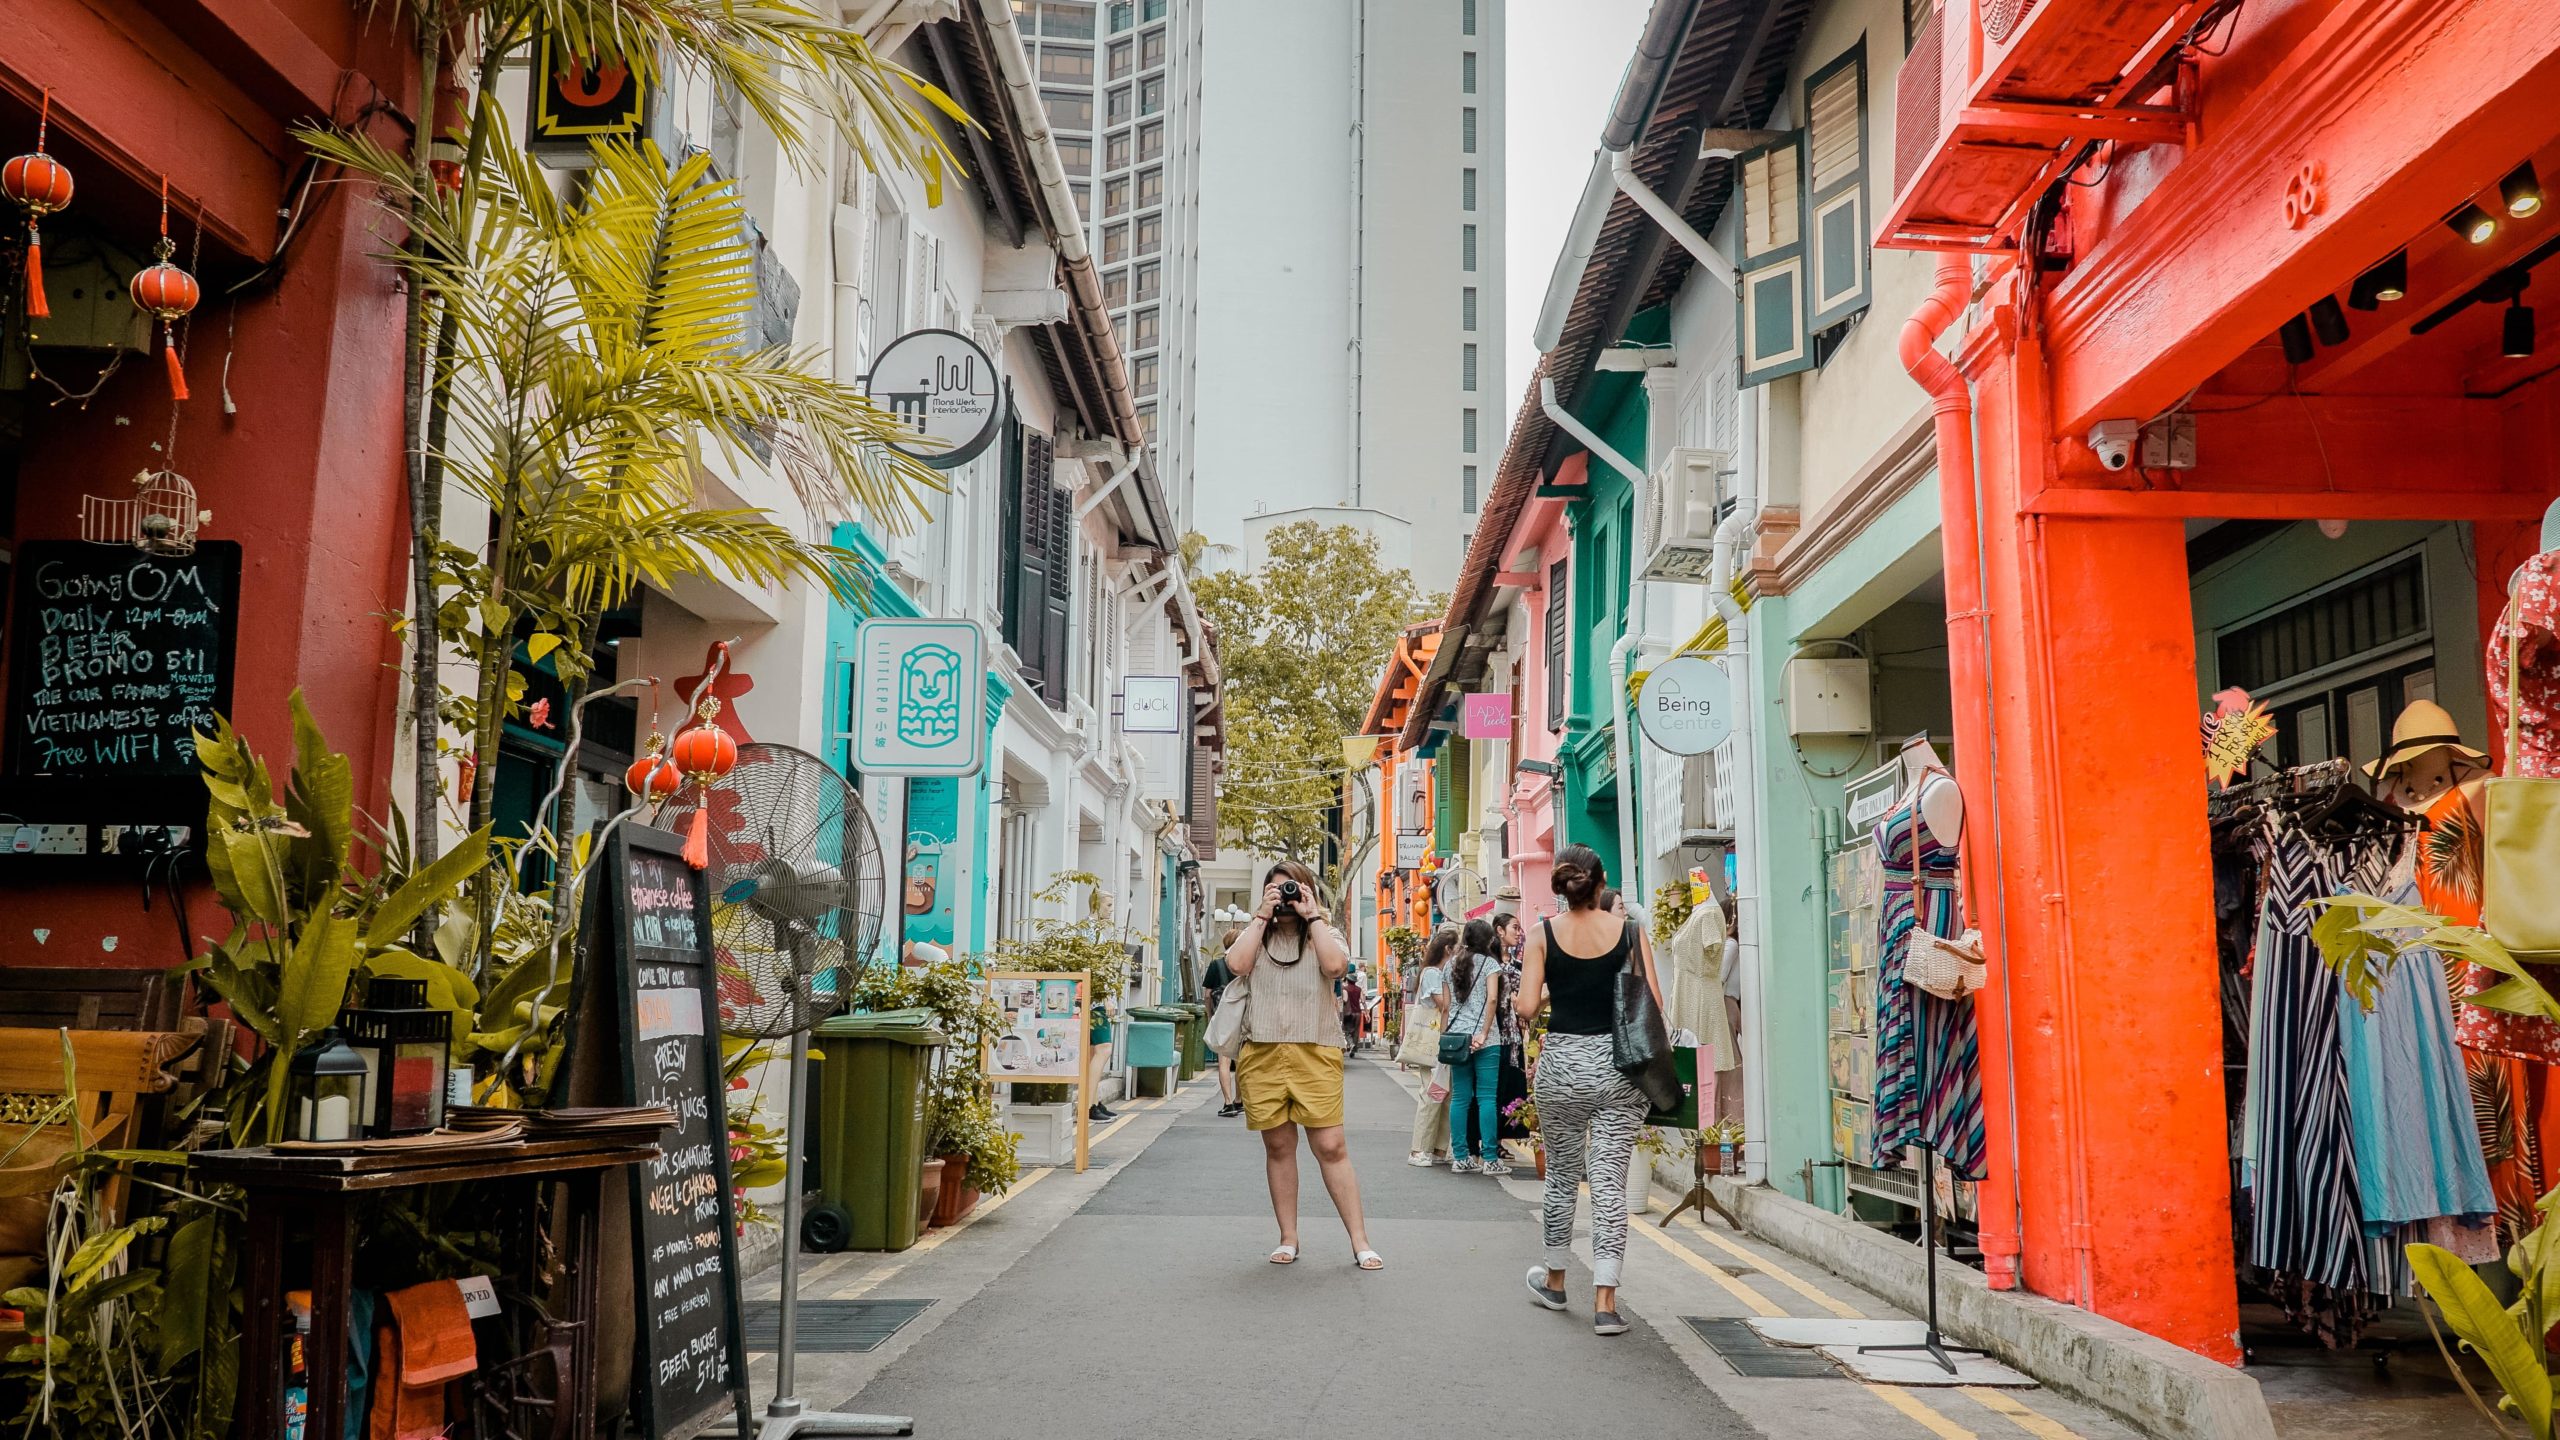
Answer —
(1933, 1342)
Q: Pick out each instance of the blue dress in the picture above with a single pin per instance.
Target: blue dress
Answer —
(2417, 1143)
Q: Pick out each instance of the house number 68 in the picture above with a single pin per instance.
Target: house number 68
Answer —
(2302, 196)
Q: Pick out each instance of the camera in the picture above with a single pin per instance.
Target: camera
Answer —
(2112, 441)
(1289, 892)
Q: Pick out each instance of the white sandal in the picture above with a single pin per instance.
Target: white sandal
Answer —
(1368, 1260)
(1285, 1255)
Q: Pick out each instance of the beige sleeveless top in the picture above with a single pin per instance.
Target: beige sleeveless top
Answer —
(1292, 1004)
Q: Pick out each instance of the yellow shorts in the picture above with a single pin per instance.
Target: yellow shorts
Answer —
(1290, 1084)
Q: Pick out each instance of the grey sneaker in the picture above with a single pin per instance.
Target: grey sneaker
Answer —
(1608, 1322)
(1538, 1291)
(1462, 1167)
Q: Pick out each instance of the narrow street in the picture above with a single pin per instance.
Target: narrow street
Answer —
(1134, 1301)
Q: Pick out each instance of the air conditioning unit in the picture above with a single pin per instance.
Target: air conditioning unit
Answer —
(1676, 535)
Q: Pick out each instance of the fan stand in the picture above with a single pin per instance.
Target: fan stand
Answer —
(783, 1415)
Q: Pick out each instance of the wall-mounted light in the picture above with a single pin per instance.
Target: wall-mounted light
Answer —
(2521, 190)
(2328, 321)
(2515, 336)
(2388, 280)
(2295, 336)
(2473, 224)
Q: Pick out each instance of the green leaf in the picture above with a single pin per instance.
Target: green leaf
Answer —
(309, 995)
(424, 888)
(2488, 1331)
(320, 797)
(101, 1249)
(189, 1270)
(447, 988)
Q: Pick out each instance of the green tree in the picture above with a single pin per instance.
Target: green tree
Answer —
(1302, 639)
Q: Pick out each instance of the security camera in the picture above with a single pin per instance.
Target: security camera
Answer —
(2112, 441)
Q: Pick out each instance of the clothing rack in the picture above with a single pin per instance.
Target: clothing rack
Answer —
(2299, 781)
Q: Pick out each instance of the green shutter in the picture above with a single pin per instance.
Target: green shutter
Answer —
(1772, 261)
(1838, 284)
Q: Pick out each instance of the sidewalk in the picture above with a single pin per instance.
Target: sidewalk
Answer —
(1135, 1301)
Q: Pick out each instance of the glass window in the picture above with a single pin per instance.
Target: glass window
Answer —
(1145, 330)
(1467, 367)
(1115, 244)
(1467, 248)
(1066, 21)
(1154, 9)
(1467, 431)
(1150, 187)
(1467, 308)
(1467, 130)
(1467, 73)
(1068, 64)
(1068, 109)
(1123, 15)
(1115, 288)
(1150, 280)
(1122, 327)
(1118, 152)
(1467, 188)
(1124, 58)
(1115, 201)
(1077, 154)
(1147, 422)
(1023, 11)
(1466, 17)
(1151, 141)
(1117, 109)
(1151, 95)
(1145, 381)
(1150, 235)
(1467, 489)
(1151, 49)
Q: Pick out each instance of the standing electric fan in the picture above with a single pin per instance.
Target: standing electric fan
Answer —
(798, 890)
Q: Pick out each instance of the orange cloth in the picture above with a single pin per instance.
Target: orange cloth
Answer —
(426, 1345)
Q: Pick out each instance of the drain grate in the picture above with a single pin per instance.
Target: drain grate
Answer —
(1741, 1347)
(832, 1327)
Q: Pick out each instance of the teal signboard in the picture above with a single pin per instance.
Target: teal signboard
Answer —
(920, 690)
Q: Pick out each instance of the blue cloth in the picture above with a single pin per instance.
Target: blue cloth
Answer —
(1472, 1087)
(2417, 1145)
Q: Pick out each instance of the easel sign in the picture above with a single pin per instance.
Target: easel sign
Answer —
(1041, 1038)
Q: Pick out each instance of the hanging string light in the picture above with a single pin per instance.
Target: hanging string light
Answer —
(169, 294)
(704, 752)
(43, 185)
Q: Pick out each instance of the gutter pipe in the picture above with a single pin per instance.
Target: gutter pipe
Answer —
(1622, 171)
(1118, 478)
(1969, 675)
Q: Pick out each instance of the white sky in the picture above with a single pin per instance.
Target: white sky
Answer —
(1564, 59)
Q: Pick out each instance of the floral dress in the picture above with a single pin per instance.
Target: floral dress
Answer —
(2534, 621)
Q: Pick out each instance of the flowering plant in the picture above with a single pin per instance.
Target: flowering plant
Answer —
(1522, 1112)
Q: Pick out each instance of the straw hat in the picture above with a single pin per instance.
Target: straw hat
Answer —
(2423, 725)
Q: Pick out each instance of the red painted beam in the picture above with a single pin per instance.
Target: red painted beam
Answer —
(257, 45)
(2408, 108)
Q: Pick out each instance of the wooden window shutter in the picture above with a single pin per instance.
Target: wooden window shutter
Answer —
(1013, 553)
(1557, 635)
(1204, 802)
(1835, 107)
(1772, 262)
(1058, 601)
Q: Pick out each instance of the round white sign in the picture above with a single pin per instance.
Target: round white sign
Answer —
(1686, 705)
(944, 389)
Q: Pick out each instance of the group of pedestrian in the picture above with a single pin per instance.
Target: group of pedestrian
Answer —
(1487, 984)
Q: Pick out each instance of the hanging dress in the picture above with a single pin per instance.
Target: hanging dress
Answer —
(2417, 1143)
(1918, 1034)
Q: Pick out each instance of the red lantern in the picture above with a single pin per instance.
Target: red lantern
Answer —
(653, 776)
(169, 294)
(43, 185)
(704, 752)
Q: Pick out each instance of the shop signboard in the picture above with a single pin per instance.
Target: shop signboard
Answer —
(1040, 1036)
(944, 390)
(579, 101)
(1151, 705)
(1412, 848)
(1488, 716)
(919, 698)
(1686, 705)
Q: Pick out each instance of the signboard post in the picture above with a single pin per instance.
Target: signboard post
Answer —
(919, 697)
(1042, 1038)
(1686, 705)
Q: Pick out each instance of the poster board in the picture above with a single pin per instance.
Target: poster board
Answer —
(1042, 1037)
(648, 1033)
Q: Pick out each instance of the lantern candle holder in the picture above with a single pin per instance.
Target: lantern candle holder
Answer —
(406, 1046)
(325, 1084)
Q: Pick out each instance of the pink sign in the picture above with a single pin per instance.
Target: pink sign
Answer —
(1488, 717)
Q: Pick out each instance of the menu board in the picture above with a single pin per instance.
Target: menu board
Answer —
(655, 955)
(1041, 1036)
(115, 658)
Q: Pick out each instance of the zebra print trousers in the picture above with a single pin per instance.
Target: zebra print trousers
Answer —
(1588, 1118)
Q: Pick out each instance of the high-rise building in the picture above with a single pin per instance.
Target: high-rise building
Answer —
(1313, 317)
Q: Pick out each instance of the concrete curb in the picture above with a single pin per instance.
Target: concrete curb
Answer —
(2145, 1381)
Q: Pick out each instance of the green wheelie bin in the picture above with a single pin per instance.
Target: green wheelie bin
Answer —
(1195, 1036)
(873, 1072)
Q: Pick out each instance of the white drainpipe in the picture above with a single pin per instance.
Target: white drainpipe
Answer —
(1622, 757)
(1622, 169)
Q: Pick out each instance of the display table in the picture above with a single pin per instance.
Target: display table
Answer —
(319, 1189)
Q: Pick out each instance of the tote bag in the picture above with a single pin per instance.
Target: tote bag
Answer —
(1226, 1027)
(2519, 903)
(1420, 1047)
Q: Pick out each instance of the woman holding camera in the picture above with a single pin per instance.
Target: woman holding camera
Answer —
(1588, 1111)
(1289, 1073)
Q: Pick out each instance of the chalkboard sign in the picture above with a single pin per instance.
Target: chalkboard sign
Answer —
(115, 658)
(650, 963)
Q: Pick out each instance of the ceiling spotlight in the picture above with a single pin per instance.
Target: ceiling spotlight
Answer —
(2295, 336)
(2516, 336)
(2473, 224)
(2387, 280)
(2521, 190)
(2328, 321)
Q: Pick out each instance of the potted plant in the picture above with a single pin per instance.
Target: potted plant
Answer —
(976, 1149)
(1720, 1143)
(929, 1191)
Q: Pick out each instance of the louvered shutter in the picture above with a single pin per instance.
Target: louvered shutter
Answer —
(1557, 620)
(1835, 107)
(1058, 607)
(1204, 802)
(1772, 333)
(1027, 583)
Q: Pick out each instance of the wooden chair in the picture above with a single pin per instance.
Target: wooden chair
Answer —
(112, 1074)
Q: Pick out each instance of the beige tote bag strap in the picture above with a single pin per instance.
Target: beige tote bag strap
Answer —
(2515, 691)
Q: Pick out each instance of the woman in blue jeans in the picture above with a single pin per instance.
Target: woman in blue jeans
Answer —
(1474, 980)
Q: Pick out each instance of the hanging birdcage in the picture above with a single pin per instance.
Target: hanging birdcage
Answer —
(161, 516)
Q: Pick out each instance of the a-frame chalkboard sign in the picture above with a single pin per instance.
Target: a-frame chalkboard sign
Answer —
(648, 1033)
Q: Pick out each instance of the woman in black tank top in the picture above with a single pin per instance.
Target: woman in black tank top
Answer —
(1588, 1112)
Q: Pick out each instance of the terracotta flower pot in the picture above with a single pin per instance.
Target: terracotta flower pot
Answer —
(1539, 1154)
(957, 1199)
(929, 1191)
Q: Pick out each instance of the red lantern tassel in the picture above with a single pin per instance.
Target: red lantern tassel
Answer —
(36, 308)
(177, 371)
(697, 840)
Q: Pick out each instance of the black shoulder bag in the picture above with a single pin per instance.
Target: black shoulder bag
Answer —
(1639, 1038)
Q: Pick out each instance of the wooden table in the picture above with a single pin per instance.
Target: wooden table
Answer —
(321, 1188)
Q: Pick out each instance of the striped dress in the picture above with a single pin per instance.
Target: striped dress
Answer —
(1917, 1033)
